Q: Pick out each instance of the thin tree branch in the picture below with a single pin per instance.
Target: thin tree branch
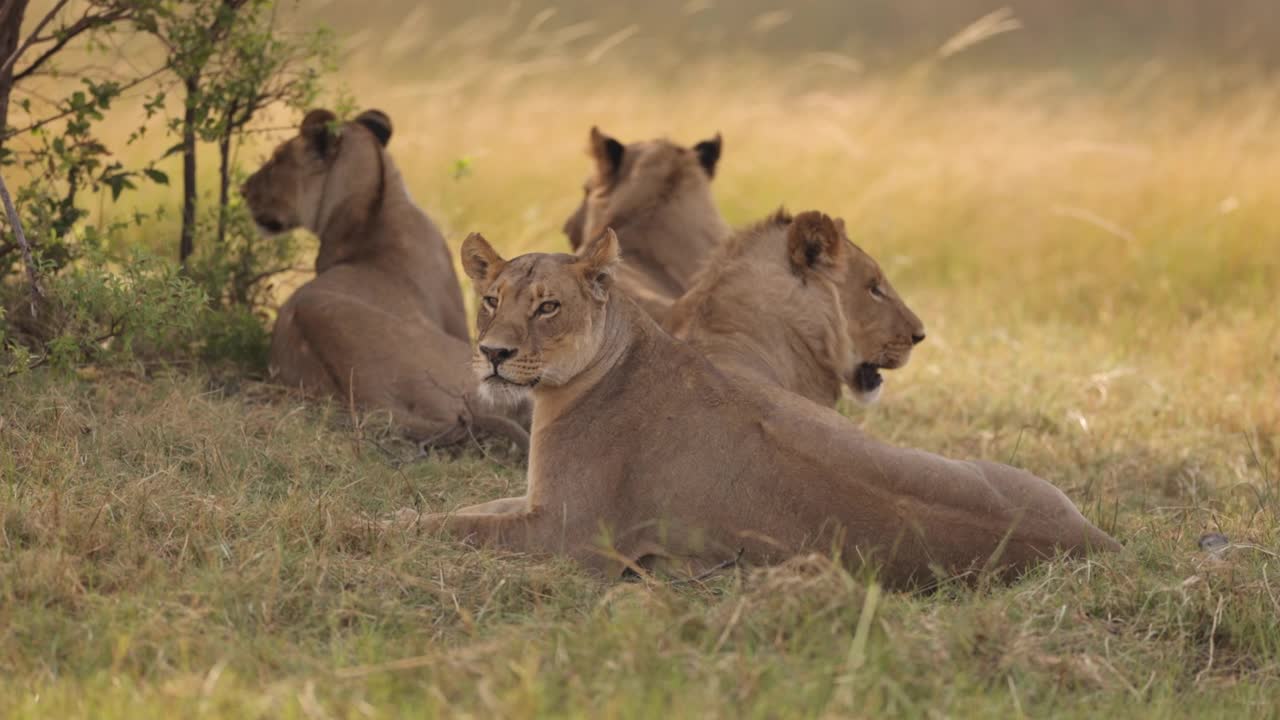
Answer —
(37, 293)
(39, 361)
(54, 118)
(259, 277)
(65, 35)
(8, 63)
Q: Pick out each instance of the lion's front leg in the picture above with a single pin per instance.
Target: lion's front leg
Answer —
(411, 519)
(501, 506)
(535, 532)
(519, 530)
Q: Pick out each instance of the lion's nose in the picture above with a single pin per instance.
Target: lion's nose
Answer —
(917, 339)
(497, 355)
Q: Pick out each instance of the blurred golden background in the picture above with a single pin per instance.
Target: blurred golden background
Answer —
(1081, 189)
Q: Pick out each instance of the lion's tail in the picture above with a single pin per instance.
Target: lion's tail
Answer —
(1098, 540)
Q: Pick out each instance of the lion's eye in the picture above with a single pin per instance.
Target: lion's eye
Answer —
(490, 303)
(549, 307)
(877, 292)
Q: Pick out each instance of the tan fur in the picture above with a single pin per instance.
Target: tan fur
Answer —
(639, 440)
(794, 303)
(656, 195)
(382, 322)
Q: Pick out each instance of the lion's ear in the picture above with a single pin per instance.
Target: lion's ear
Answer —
(480, 261)
(599, 260)
(378, 123)
(709, 154)
(607, 153)
(814, 244)
(317, 129)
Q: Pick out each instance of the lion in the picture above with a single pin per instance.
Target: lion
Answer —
(645, 454)
(656, 195)
(776, 302)
(383, 323)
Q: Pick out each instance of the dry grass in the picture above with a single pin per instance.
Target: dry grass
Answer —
(168, 551)
(1097, 267)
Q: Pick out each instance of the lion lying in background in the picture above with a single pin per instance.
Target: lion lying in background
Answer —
(656, 195)
(640, 442)
(792, 302)
(382, 323)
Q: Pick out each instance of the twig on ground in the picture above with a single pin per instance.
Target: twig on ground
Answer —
(1266, 582)
(39, 361)
(712, 570)
(357, 429)
(484, 451)
(1213, 631)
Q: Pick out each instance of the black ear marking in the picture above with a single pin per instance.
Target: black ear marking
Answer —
(317, 128)
(709, 154)
(613, 152)
(603, 280)
(607, 152)
(322, 143)
(813, 243)
(378, 123)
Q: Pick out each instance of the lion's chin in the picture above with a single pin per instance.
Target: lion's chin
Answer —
(504, 393)
(866, 382)
(270, 226)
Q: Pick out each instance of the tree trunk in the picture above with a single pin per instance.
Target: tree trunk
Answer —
(37, 293)
(187, 244)
(11, 14)
(224, 181)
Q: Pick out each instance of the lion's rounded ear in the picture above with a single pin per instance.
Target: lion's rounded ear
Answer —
(599, 260)
(317, 129)
(378, 123)
(814, 244)
(709, 154)
(480, 261)
(606, 151)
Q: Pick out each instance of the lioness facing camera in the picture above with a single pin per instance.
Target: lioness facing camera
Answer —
(382, 323)
(639, 438)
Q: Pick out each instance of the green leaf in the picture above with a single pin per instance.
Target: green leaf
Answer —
(157, 176)
(462, 167)
(118, 184)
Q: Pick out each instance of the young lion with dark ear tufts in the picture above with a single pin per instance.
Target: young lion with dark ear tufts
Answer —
(657, 196)
(383, 321)
(794, 303)
(638, 437)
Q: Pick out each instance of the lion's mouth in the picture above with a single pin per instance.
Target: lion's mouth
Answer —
(499, 380)
(867, 378)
